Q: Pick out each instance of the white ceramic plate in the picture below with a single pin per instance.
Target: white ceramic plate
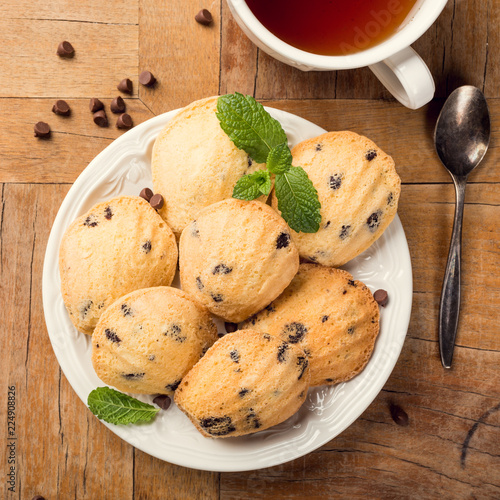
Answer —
(123, 168)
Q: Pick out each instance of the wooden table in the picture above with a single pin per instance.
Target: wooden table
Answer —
(451, 448)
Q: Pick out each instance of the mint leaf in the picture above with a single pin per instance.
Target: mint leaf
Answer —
(249, 125)
(253, 185)
(118, 408)
(279, 159)
(298, 200)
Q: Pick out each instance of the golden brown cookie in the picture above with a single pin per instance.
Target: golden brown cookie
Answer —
(246, 382)
(333, 317)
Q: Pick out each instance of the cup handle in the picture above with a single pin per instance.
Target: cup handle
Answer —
(406, 77)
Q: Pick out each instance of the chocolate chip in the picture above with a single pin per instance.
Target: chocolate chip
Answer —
(195, 232)
(90, 221)
(295, 332)
(108, 214)
(390, 198)
(146, 246)
(126, 310)
(117, 105)
(252, 419)
(267, 336)
(222, 269)
(65, 49)
(399, 415)
(319, 147)
(84, 308)
(302, 363)
(156, 201)
(381, 297)
(235, 356)
(147, 79)
(250, 161)
(283, 240)
(151, 357)
(326, 225)
(352, 283)
(124, 121)
(243, 392)
(324, 318)
(344, 292)
(61, 108)
(204, 17)
(112, 336)
(95, 105)
(174, 331)
(125, 86)
(344, 232)
(217, 297)
(173, 387)
(147, 194)
(100, 118)
(163, 401)
(199, 283)
(217, 426)
(374, 220)
(230, 327)
(133, 376)
(350, 330)
(282, 352)
(371, 154)
(270, 308)
(335, 181)
(42, 130)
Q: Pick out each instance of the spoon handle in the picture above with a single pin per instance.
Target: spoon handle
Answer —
(450, 295)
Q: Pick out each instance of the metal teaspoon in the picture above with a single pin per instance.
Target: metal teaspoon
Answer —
(461, 138)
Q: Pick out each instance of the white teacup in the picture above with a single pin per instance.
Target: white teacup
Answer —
(393, 61)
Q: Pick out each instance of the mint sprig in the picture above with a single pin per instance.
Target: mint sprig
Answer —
(118, 408)
(254, 130)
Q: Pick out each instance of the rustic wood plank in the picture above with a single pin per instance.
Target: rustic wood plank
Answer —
(75, 139)
(182, 54)
(104, 55)
(157, 479)
(112, 12)
(60, 445)
(492, 74)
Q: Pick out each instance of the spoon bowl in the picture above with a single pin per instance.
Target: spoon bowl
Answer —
(461, 137)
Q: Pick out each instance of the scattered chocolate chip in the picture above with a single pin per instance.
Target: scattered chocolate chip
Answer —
(195, 232)
(350, 330)
(328, 379)
(352, 283)
(243, 392)
(204, 17)
(374, 220)
(302, 363)
(97, 345)
(327, 225)
(65, 49)
(146, 193)
(95, 105)
(267, 336)
(295, 332)
(151, 357)
(156, 201)
(125, 86)
(42, 130)
(282, 352)
(146, 246)
(235, 356)
(390, 197)
(344, 232)
(217, 426)
(319, 147)
(371, 154)
(230, 327)
(173, 387)
(112, 336)
(90, 221)
(312, 258)
(399, 415)
(100, 118)
(124, 121)
(126, 310)
(250, 161)
(174, 331)
(61, 108)
(108, 214)
(199, 283)
(147, 79)
(222, 269)
(324, 318)
(335, 181)
(344, 292)
(117, 105)
(84, 308)
(283, 240)
(270, 308)
(163, 401)
(217, 297)
(133, 376)
(381, 297)
(252, 419)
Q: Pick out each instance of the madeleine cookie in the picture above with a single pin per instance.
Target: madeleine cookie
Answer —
(358, 189)
(146, 341)
(195, 164)
(333, 317)
(118, 246)
(246, 382)
(236, 257)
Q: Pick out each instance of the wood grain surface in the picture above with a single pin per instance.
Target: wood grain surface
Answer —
(451, 446)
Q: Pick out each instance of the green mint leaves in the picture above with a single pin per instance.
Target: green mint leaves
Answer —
(118, 408)
(254, 130)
